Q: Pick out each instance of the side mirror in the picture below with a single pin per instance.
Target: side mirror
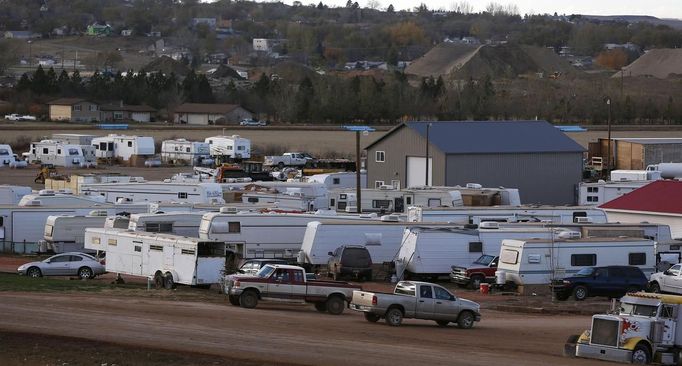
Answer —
(240, 271)
(493, 264)
(330, 253)
(667, 273)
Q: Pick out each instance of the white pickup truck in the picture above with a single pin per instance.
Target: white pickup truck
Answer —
(287, 159)
(667, 281)
(418, 300)
(18, 117)
(286, 283)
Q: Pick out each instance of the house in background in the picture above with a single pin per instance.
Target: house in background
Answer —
(98, 30)
(119, 112)
(533, 156)
(127, 32)
(658, 202)
(210, 114)
(74, 110)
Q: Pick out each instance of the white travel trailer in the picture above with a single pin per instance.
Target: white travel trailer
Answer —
(73, 138)
(293, 196)
(61, 154)
(169, 259)
(233, 147)
(540, 261)
(476, 215)
(598, 193)
(11, 195)
(67, 233)
(263, 235)
(182, 151)
(428, 251)
(63, 197)
(123, 147)
(177, 223)
(210, 193)
(386, 199)
(340, 180)
(6, 155)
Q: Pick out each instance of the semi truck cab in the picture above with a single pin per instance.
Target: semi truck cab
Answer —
(643, 329)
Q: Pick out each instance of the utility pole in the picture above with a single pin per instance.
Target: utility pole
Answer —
(428, 126)
(608, 153)
(358, 163)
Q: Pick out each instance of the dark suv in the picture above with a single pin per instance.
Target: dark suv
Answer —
(611, 281)
(350, 261)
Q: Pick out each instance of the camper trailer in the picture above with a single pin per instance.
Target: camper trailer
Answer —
(263, 235)
(540, 261)
(182, 151)
(73, 138)
(177, 223)
(11, 195)
(63, 197)
(6, 155)
(340, 180)
(113, 147)
(169, 259)
(157, 192)
(475, 215)
(387, 199)
(61, 154)
(231, 147)
(66, 233)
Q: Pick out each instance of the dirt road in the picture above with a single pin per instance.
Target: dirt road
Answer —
(296, 334)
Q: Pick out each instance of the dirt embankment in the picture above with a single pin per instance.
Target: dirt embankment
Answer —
(658, 63)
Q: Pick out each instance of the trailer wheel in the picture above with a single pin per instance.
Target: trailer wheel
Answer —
(372, 318)
(234, 300)
(465, 320)
(248, 299)
(641, 355)
(158, 280)
(335, 305)
(321, 307)
(168, 281)
(394, 316)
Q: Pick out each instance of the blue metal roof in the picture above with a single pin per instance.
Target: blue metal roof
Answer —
(485, 137)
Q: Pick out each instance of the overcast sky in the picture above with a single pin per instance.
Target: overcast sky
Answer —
(658, 8)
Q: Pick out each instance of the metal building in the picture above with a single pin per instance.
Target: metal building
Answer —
(533, 156)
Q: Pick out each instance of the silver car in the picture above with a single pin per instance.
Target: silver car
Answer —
(65, 264)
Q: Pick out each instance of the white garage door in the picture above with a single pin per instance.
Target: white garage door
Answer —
(416, 171)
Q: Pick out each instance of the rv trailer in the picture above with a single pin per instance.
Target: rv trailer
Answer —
(527, 213)
(182, 151)
(61, 154)
(66, 233)
(209, 193)
(6, 155)
(123, 147)
(232, 147)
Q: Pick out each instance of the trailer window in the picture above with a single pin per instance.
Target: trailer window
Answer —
(112, 242)
(96, 240)
(583, 260)
(48, 229)
(336, 181)
(252, 199)
(476, 247)
(73, 151)
(341, 205)
(130, 144)
(509, 256)
(156, 247)
(234, 227)
(182, 195)
(342, 196)
(138, 248)
(332, 203)
(434, 202)
(637, 259)
(408, 200)
(383, 204)
(187, 251)
(210, 249)
(159, 227)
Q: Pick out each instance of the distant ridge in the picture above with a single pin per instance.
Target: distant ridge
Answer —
(673, 23)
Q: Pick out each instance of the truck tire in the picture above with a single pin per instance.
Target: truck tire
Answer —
(442, 323)
(641, 355)
(394, 317)
(465, 320)
(476, 281)
(372, 318)
(321, 307)
(233, 299)
(248, 299)
(280, 165)
(580, 293)
(561, 296)
(168, 281)
(335, 305)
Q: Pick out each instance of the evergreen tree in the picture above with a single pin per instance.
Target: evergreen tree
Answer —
(76, 83)
(390, 9)
(51, 82)
(64, 83)
(204, 93)
(39, 84)
(24, 83)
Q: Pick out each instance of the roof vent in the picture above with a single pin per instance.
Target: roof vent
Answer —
(474, 186)
(228, 210)
(489, 224)
(34, 203)
(390, 218)
(568, 235)
(583, 220)
(98, 213)
(65, 191)
(46, 192)
(385, 187)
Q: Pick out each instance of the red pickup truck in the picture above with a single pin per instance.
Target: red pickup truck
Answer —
(285, 283)
(482, 270)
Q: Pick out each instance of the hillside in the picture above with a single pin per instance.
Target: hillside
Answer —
(499, 62)
(659, 63)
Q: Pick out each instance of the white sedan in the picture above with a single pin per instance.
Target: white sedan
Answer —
(18, 117)
(78, 264)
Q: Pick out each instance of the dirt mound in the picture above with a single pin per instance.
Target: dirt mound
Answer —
(166, 65)
(500, 62)
(660, 63)
(441, 60)
(224, 71)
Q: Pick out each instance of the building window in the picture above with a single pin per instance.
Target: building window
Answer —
(336, 181)
(182, 195)
(592, 199)
(118, 115)
(583, 260)
(77, 108)
(92, 108)
(234, 227)
(637, 259)
(476, 247)
(378, 183)
(380, 156)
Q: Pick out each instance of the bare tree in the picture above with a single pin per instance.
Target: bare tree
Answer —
(462, 7)
(373, 4)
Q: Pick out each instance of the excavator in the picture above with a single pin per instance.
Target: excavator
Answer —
(47, 171)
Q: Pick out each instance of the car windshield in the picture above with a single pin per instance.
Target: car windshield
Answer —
(634, 309)
(484, 260)
(265, 272)
(585, 272)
